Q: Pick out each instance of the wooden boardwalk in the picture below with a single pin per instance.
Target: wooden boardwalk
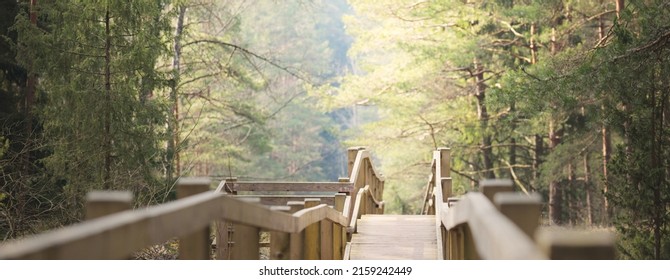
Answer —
(394, 237)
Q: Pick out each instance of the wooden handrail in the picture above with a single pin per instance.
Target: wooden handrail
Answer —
(356, 211)
(342, 187)
(494, 236)
(363, 173)
(119, 235)
(474, 227)
(434, 199)
(358, 176)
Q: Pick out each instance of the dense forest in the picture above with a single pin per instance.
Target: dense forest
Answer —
(567, 98)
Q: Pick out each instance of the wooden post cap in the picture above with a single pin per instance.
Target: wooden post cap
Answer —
(295, 206)
(311, 202)
(282, 208)
(102, 203)
(563, 244)
(256, 200)
(118, 196)
(490, 187)
(523, 210)
(193, 181)
(451, 201)
(189, 186)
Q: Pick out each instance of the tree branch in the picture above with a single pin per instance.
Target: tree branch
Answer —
(247, 52)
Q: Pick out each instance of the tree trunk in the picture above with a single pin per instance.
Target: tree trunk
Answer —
(172, 154)
(555, 197)
(483, 116)
(606, 138)
(587, 188)
(620, 4)
(107, 136)
(537, 160)
(31, 83)
(658, 179)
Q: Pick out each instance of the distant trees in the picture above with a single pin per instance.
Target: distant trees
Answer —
(133, 95)
(562, 97)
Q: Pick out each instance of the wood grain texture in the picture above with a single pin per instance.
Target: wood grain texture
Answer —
(494, 235)
(312, 244)
(118, 235)
(335, 187)
(398, 237)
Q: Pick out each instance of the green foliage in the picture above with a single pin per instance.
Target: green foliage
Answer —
(98, 135)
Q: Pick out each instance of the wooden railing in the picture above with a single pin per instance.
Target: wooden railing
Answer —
(497, 223)
(368, 186)
(299, 230)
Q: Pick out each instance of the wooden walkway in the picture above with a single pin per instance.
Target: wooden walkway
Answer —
(394, 237)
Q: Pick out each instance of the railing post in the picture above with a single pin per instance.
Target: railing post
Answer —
(381, 194)
(297, 240)
(245, 239)
(351, 158)
(339, 235)
(446, 189)
(194, 246)
(280, 241)
(224, 229)
(312, 245)
(445, 161)
(490, 187)
(521, 209)
(103, 203)
(456, 237)
(364, 202)
(231, 181)
(326, 239)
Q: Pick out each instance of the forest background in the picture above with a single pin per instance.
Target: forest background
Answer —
(567, 98)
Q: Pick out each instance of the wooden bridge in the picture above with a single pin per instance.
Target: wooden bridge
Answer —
(313, 220)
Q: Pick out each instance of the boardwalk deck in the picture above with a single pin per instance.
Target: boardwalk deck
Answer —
(394, 237)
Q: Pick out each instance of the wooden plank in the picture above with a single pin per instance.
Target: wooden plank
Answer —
(280, 241)
(335, 187)
(327, 240)
(297, 239)
(394, 237)
(277, 200)
(245, 242)
(338, 230)
(386, 252)
(223, 245)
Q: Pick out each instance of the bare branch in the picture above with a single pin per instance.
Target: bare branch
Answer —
(234, 47)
